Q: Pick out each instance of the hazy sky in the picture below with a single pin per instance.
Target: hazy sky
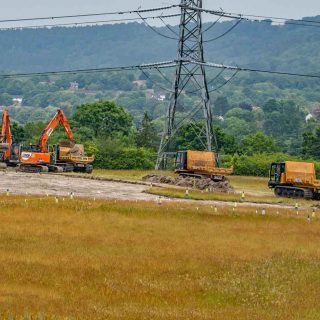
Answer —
(30, 8)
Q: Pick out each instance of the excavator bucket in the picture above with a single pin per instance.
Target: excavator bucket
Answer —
(4, 147)
(78, 150)
(66, 144)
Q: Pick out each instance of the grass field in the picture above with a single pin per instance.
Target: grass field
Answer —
(256, 185)
(228, 197)
(130, 260)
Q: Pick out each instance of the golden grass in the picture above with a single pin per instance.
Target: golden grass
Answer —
(180, 193)
(250, 184)
(125, 260)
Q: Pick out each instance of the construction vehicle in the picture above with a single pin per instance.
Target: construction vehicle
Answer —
(9, 152)
(64, 157)
(200, 164)
(294, 180)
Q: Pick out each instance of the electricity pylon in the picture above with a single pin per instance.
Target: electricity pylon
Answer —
(190, 78)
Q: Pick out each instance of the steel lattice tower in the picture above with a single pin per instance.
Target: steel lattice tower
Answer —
(189, 76)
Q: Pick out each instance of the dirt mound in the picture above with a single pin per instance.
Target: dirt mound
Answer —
(190, 182)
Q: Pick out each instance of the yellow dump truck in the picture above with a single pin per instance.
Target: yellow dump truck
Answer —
(200, 164)
(69, 157)
(294, 180)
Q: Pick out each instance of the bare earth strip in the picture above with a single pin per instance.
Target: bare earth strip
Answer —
(58, 185)
(42, 184)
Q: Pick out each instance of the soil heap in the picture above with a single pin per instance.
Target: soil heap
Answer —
(191, 182)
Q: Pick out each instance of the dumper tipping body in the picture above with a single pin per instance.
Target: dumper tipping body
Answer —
(200, 164)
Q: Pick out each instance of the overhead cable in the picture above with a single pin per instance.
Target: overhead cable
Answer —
(155, 30)
(160, 65)
(303, 23)
(282, 73)
(90, 14)
(95, 22)
(157, 65)
(225, 33)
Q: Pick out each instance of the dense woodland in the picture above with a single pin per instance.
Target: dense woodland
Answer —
(258, 118)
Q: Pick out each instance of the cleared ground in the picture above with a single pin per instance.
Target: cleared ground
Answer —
(42, 184)
(128, 185)
(99, 259)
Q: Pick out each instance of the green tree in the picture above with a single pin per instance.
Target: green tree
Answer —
(147, 135)
(187, 137)
(311, 144)
(271, 106)
(258, 143)
(238, 127)
(226, 143)
(5, 99)
(221, 106)
(18, 133)
(240, 114)
(105, 118)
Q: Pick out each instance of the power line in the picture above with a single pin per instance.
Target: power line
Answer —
(225, 83)
(160, 65)
(155, 30)
(282, 73)
(161, 87)
(225, 33)
(209, 82)
(212, 25)
(90, 14)
(301, 22)
(169, 27)
(88, 22)
(278, 18)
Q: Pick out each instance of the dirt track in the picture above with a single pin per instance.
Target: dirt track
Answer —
(42, 184)
(59, 185)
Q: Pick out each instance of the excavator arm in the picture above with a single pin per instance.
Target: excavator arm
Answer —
(6, 136)
(54, 122)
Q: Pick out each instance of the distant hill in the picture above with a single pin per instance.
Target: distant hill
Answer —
(254, 44)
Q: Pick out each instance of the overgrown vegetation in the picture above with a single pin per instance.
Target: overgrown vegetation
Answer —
(109, 132)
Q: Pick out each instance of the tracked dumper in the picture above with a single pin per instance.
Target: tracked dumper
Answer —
(71, 157)
(294, 180)
(200, 164)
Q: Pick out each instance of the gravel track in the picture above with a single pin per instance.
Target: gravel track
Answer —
(61, 185)
(56, 185)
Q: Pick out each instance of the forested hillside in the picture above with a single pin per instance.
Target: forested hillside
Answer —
(254, 44)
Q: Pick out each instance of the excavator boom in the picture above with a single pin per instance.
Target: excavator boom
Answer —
(54, 122)
(6, 136)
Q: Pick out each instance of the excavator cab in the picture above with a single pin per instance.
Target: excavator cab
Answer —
(181, 160)
(275, 173)
(31, 148)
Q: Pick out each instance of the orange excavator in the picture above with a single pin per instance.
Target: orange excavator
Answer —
(38, 158)
(9, 153)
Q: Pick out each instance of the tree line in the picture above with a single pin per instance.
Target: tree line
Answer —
(249, 145)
